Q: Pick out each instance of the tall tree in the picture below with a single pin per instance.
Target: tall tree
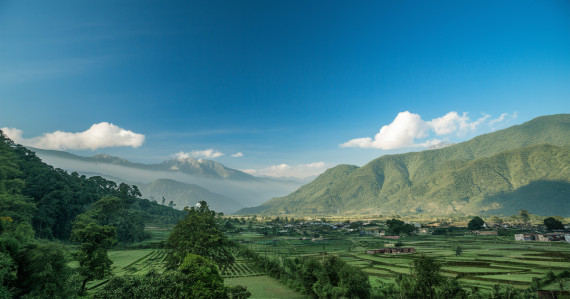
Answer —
(93, 260)
(198, 233)
(426, 271)
(201, 278)
(525, 217)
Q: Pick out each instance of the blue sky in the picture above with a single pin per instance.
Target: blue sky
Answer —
(294, 86)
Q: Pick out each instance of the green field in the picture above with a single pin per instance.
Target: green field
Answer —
(140, 261)
(132, 262)
(485, 261)
(264, 287)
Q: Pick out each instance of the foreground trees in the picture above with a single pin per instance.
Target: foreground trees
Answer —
(327, 277)
(93, 260)
(198, 233)
(196, 247)
(196, 277)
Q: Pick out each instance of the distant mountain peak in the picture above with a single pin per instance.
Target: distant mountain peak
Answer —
(106, 158)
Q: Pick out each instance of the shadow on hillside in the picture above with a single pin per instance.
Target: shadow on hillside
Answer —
(539, 197)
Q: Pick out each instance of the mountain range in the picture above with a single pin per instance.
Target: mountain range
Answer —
(182, 181)
(522, 167)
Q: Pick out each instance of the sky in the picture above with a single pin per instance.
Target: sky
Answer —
(278, 88)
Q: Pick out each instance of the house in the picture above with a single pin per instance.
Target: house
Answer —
(395, 250)
(540, 237)
(524, 237)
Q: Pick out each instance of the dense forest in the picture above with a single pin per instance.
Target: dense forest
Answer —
(42, 208)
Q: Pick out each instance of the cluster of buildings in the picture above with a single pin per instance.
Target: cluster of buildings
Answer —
(543, 237)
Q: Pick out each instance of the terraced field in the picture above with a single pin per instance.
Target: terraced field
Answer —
(240, 269)
(485, 261)
(132, 262)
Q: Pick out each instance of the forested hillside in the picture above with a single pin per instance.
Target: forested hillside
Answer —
(39, 203)
(525, 166)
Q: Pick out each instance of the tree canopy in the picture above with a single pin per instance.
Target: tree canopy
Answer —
(398, 227)
(476, 223)
(552, 223)
(93, 260)
(198, 233)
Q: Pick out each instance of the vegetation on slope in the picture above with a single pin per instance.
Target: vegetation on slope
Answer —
(485, 174)
(39, 203)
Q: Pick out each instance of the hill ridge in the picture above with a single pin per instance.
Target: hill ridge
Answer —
(445, 180)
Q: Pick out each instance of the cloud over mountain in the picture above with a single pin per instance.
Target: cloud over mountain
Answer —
(208, 154)
(285, 170)
(99, 135)
(407, 128)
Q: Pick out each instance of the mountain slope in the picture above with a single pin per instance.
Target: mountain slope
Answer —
(197, 167)
(244, 189)
(187, 195)
(482, 174)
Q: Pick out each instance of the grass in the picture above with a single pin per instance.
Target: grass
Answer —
(264, 287)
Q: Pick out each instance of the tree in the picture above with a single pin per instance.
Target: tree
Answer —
(552, 223)
(476, 223)
(43, 271)
(354, 282)
(458, 251)
(426, 271)
(117, 212)
(150, 285)
(198, 233)
(238, 292)
(201, 278)
(398, 227)
(525, 216)
(93, 260)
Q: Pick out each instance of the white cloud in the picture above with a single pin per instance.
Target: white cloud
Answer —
(285, 170)
(97, 136)
(446, 124)
(452, 122)
(208, 154)
(237, 155)
(401, 133)
(408, 127)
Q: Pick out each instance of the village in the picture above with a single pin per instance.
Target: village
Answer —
(319, 229)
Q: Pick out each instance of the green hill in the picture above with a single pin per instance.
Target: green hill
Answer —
(521, 167)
